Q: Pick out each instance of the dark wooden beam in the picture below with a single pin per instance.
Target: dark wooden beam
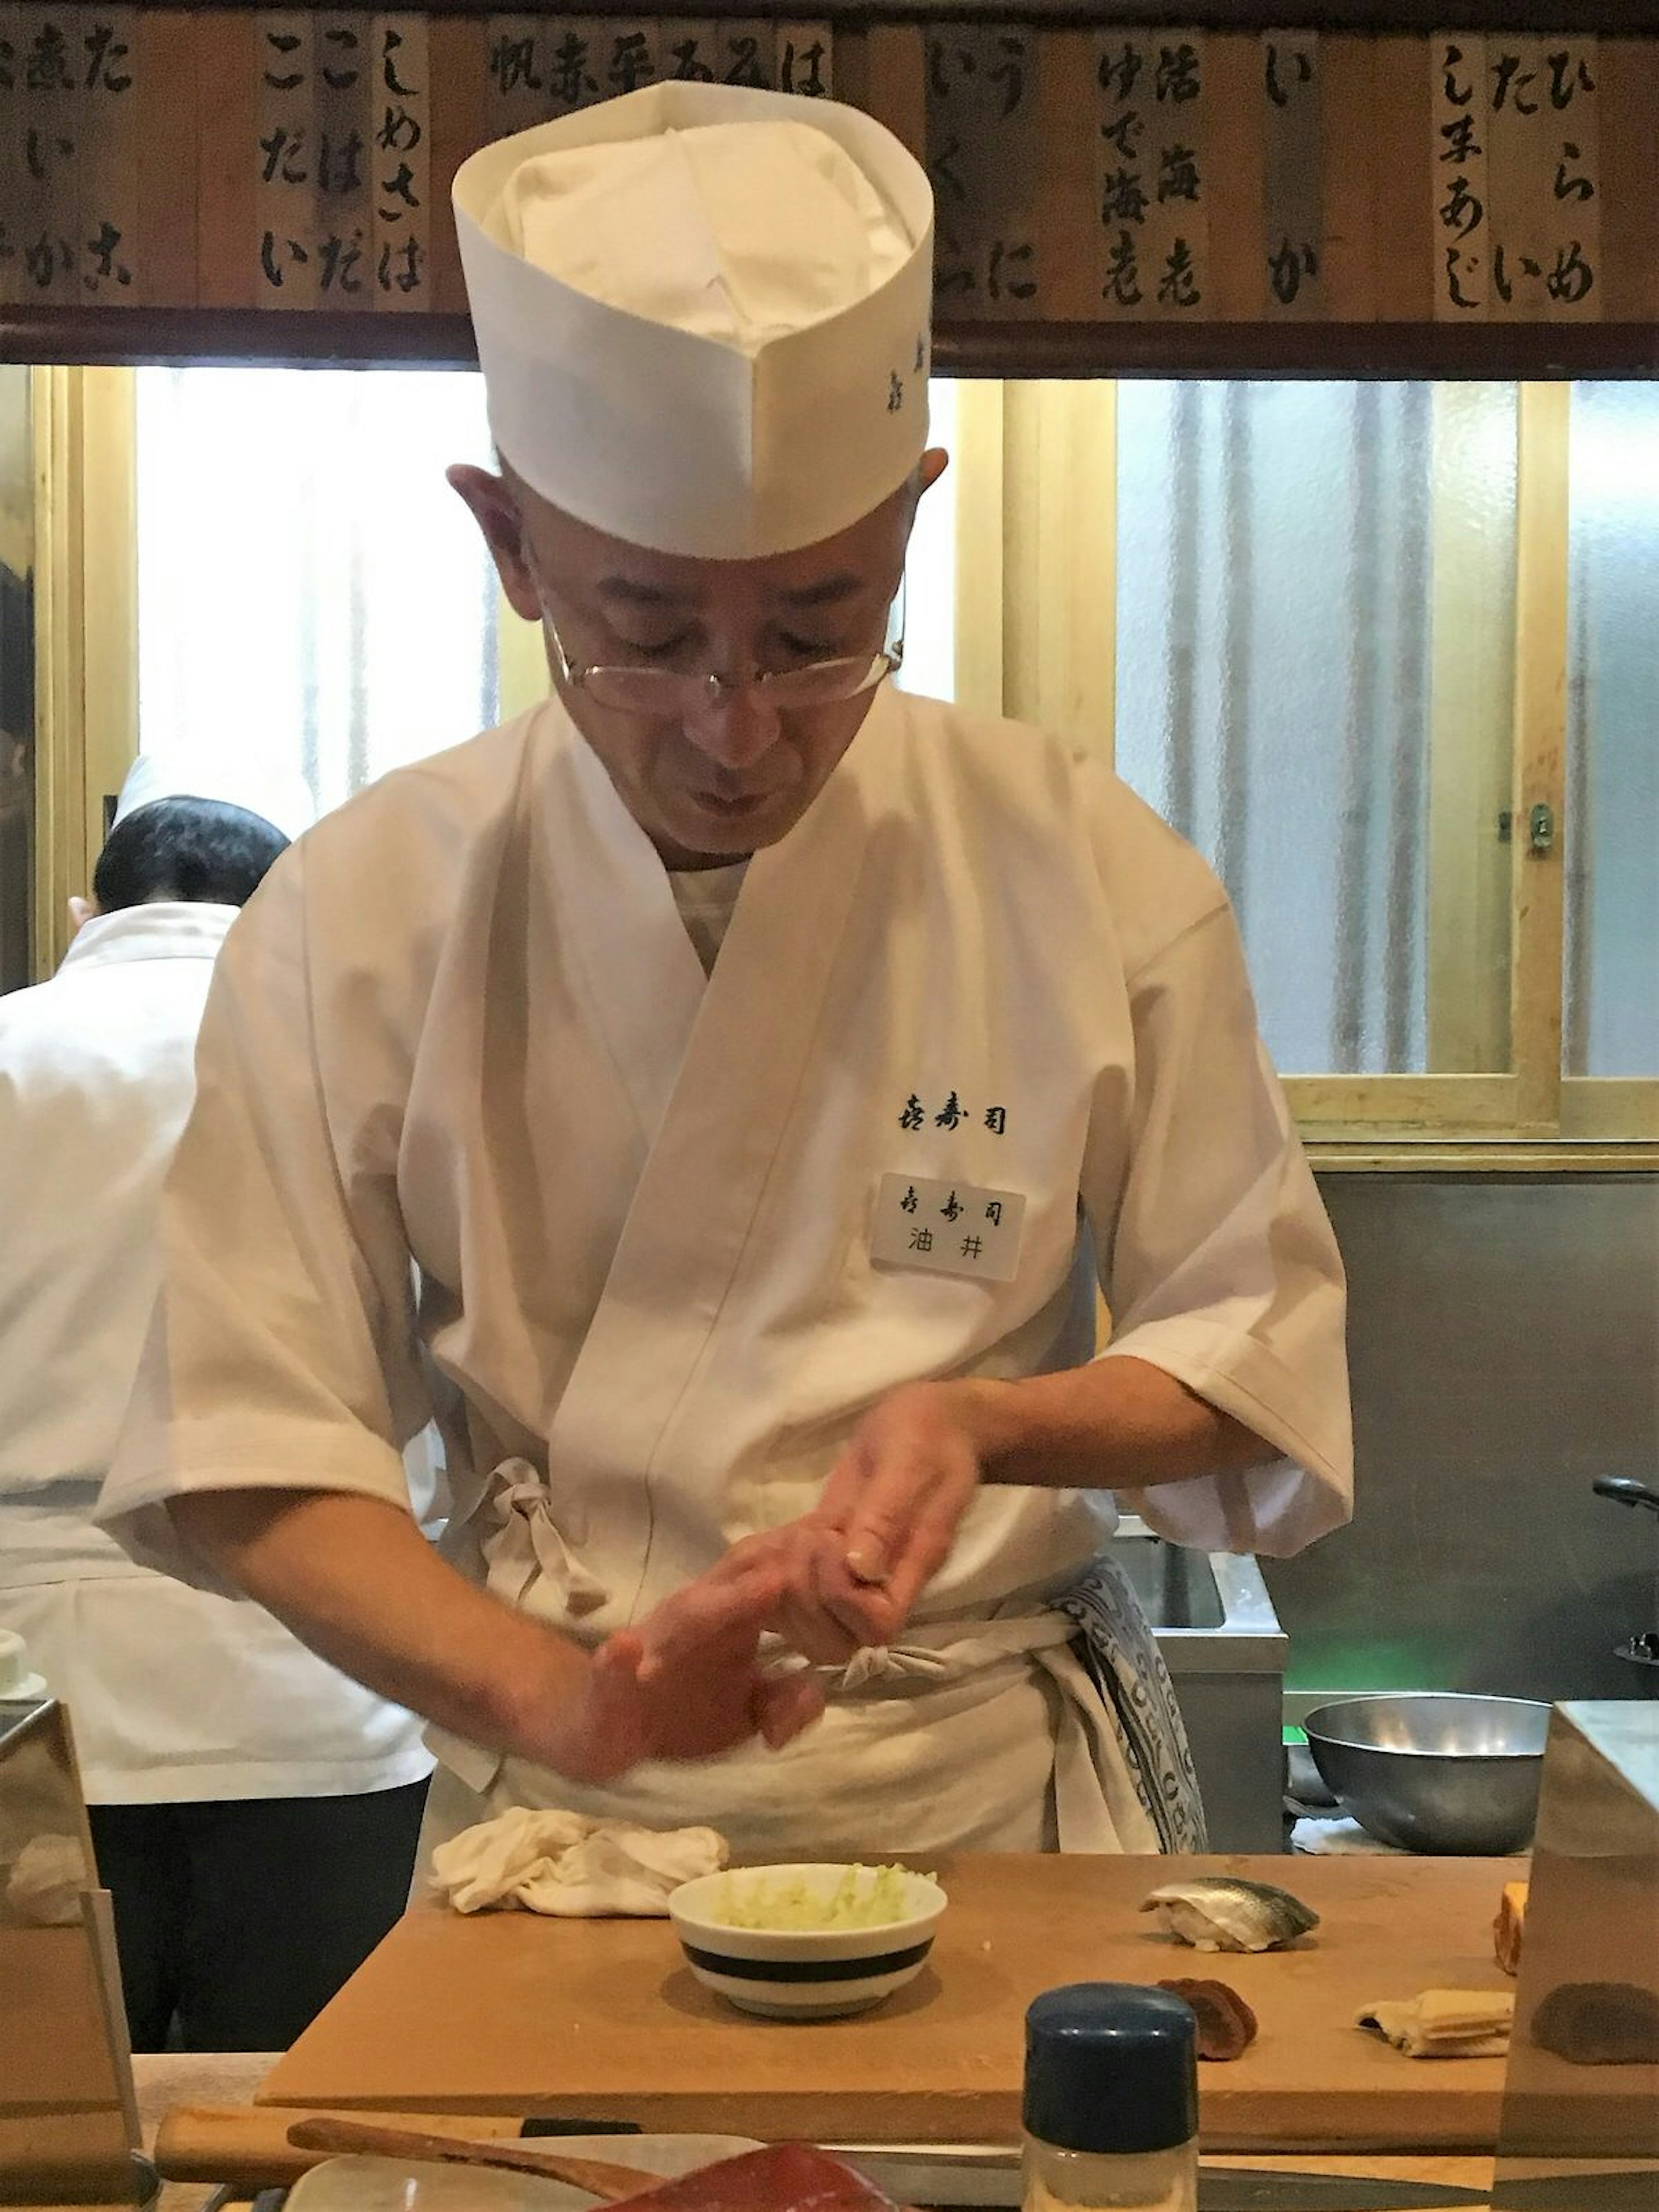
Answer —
(258, 338)
(1567, 18)
(1439, 352)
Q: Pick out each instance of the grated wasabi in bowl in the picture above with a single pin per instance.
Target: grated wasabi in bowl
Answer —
(862, 1898)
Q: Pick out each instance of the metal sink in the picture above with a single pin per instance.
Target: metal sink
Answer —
(1225, 1651)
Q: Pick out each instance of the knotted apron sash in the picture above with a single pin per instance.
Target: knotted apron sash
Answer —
(1123, 1777)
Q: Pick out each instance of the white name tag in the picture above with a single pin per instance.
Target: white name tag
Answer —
(948, 1228)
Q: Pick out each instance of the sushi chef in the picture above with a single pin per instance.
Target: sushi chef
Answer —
(716, 1095)
(254, 1812)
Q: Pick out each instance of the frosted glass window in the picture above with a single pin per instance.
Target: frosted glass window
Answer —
(310, 592)
(1611, 831)
(1276, 692)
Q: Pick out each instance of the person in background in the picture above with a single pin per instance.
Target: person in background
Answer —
(254, 1812)
(716, 1096)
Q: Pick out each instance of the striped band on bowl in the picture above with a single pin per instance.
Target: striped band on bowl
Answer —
(808, 1969)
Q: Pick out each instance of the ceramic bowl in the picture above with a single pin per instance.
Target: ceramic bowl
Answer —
(802, 1973)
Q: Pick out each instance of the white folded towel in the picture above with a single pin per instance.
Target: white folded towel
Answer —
(573, 1868)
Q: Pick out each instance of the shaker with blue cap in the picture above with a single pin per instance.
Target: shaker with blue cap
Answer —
(1111, 2100)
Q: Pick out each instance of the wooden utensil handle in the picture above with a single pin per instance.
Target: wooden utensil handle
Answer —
(247, 2145)
(597, 2176)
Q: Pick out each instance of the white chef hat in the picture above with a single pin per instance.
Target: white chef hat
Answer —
(283, 800)
(702, 314)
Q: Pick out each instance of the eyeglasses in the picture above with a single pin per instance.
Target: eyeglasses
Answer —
(666, 693)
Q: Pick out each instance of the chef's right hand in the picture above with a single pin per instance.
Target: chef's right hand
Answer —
(687, 1683)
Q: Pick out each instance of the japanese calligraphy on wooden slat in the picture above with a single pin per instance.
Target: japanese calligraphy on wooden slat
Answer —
(301, 157)
(1517, 192)
(1292, 212)
(106, 158)
(402, 114)
(541, 66)
(803, 60)
(1151, 183)
(984, 156)
(343, 158)
(69, 167)
(293, 169)
(1460, 194)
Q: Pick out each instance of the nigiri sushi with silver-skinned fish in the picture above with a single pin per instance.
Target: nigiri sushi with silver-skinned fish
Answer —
(1221, 1912)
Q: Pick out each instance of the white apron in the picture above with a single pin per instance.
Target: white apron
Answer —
(1016, 1699)
(641, 1203)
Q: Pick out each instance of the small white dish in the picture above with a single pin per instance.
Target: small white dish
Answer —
(803, 1973)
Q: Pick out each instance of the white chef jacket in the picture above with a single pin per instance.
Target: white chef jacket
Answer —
(464, 1022)
(175, 1693)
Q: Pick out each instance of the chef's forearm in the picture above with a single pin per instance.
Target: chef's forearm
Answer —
(357, 1580)
(1118, 1423)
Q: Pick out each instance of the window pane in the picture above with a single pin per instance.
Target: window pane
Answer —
(1315, 616)
(1612, 828)
(310, 592)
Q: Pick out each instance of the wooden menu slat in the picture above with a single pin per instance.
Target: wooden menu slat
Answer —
(165, 267)
(458, 57)
(740, 50)
(46, 162)
(573, 59)
(628, 55)
(1068, 221)
(984, 159)
(1293, 224)
(852, 68)
(227, 72)
(1237, 273)
(513, 95)
(1629, 89)
(401, 116)
(107, 244)
(1521, 168)
(1517, 184)
(1460, 212)
(342, 115)
(1577, 187)
(1400, 126)
(12, 171)
(897, 61)
(804, 60)
(284, 158)
(1348, 180)
(1155, 178)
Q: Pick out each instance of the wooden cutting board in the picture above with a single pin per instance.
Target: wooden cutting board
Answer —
(601, 2018)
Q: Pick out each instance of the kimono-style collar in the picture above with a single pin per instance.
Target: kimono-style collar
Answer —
(164, 929)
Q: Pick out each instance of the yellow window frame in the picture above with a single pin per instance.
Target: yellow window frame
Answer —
(1035, 596)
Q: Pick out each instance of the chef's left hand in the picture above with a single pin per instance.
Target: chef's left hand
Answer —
(892, 1506)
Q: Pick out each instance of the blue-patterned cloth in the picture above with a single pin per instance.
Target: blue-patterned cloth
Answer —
(1115, 1643)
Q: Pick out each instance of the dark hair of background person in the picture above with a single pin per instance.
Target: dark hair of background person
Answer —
(184, 848)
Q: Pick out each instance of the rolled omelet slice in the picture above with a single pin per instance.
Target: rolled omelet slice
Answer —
(1509, 1926)
(1444, 2023)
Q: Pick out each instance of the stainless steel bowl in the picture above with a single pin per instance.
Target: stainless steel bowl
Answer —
(1432, 1771)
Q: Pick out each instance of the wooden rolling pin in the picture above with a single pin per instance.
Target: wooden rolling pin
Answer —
(247, 2146)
